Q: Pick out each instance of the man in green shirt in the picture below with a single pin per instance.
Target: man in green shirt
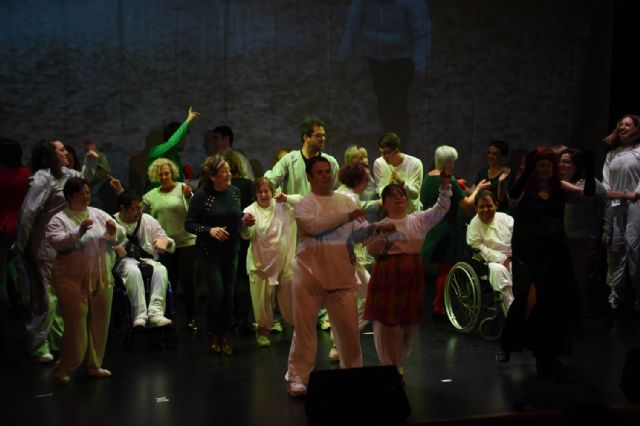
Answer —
(174, 141)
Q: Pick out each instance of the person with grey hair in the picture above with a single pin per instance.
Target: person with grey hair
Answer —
(442, 241)
(394, 166)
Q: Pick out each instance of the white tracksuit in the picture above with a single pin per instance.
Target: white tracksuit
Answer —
(127, 268)
(270, 258)
(494, 242)
(323, 275)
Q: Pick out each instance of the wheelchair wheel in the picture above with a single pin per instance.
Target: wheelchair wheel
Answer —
(462, 297)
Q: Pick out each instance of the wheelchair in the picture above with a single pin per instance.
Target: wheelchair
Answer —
(122, 318)
(470, 301)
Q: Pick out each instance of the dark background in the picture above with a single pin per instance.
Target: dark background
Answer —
(531, 72)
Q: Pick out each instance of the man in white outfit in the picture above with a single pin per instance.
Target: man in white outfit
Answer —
(146, 240)
(490, 232)
(323, 275)
(394, 166)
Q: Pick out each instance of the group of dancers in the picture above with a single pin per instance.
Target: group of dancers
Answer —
(321, 235)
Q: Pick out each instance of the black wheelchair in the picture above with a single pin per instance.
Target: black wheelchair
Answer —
(470, 301)
(122, 318)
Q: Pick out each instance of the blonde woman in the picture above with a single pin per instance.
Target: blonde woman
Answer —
(168, 204)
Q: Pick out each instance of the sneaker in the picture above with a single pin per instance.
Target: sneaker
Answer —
(225, 347)
(45, 358)
(159, 321)
(62, 377)
(100, 373)
(333, 354)
(139, 323)
(277, 327)
(192, 325)
(263, 341)
(297, 388)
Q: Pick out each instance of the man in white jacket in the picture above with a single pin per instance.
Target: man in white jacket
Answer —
(146, 240)
(490, 232)
(323, 275)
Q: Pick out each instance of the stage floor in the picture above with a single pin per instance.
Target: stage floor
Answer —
(449, 375)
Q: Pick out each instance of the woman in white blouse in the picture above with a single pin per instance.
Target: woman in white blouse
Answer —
(84, 238)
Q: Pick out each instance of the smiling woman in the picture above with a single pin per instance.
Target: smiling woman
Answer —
(215, 216)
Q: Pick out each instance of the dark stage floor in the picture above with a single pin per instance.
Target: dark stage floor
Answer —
(449, 375)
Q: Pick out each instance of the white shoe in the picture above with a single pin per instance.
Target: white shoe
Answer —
(297, 388)
(159, 320)
(140, 322)
(45, 358)
(333, 354)
(100, 373)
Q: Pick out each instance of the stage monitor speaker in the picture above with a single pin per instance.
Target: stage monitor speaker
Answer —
(630, 381)
(367, 395)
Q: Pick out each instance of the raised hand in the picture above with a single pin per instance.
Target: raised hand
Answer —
(192, 115)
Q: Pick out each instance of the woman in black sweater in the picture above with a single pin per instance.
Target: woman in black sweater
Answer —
(215, 217)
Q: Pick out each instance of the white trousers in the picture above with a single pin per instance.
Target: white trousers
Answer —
(86, 326)
(624, 253)
(262, 298)
(308, 298)
(128, 270)
(500, 280)
(393, 343)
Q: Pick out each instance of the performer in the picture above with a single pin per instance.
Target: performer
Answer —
(83, 238)
(396, 288)
(621, 178)
(490, 232)
(270, 255)
(214, 216)
(146, 241)
(323, 275)
(43, 200)
(394, 166)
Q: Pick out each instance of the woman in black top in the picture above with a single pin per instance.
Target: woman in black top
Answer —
(215, 217)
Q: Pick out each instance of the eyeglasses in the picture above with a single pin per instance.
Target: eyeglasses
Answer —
(388, 152)
(135, 209)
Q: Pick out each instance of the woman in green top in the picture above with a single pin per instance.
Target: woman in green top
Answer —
(168, 203)
(441, 243)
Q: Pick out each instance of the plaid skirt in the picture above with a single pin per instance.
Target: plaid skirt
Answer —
(396, 290)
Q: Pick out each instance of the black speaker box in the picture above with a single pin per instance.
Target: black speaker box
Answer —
(630, 381)
(367, 395)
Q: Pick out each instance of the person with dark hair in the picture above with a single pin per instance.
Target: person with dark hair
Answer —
(146, 241)
(496, 173)
(538, 318)
(72, 158)
(323, 275)
(289, 172)
(83, 238)
(396, 288)
(270, 256)
(394, 166)
(215, 217)
(43, 200)
(490, 232)
(173, 143)
(14, 182)
(221, 139)
(584, 223)
(621, 179)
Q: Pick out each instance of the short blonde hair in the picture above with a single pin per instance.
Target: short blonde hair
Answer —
(153, 172)
(355, 152)
(444, 155)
